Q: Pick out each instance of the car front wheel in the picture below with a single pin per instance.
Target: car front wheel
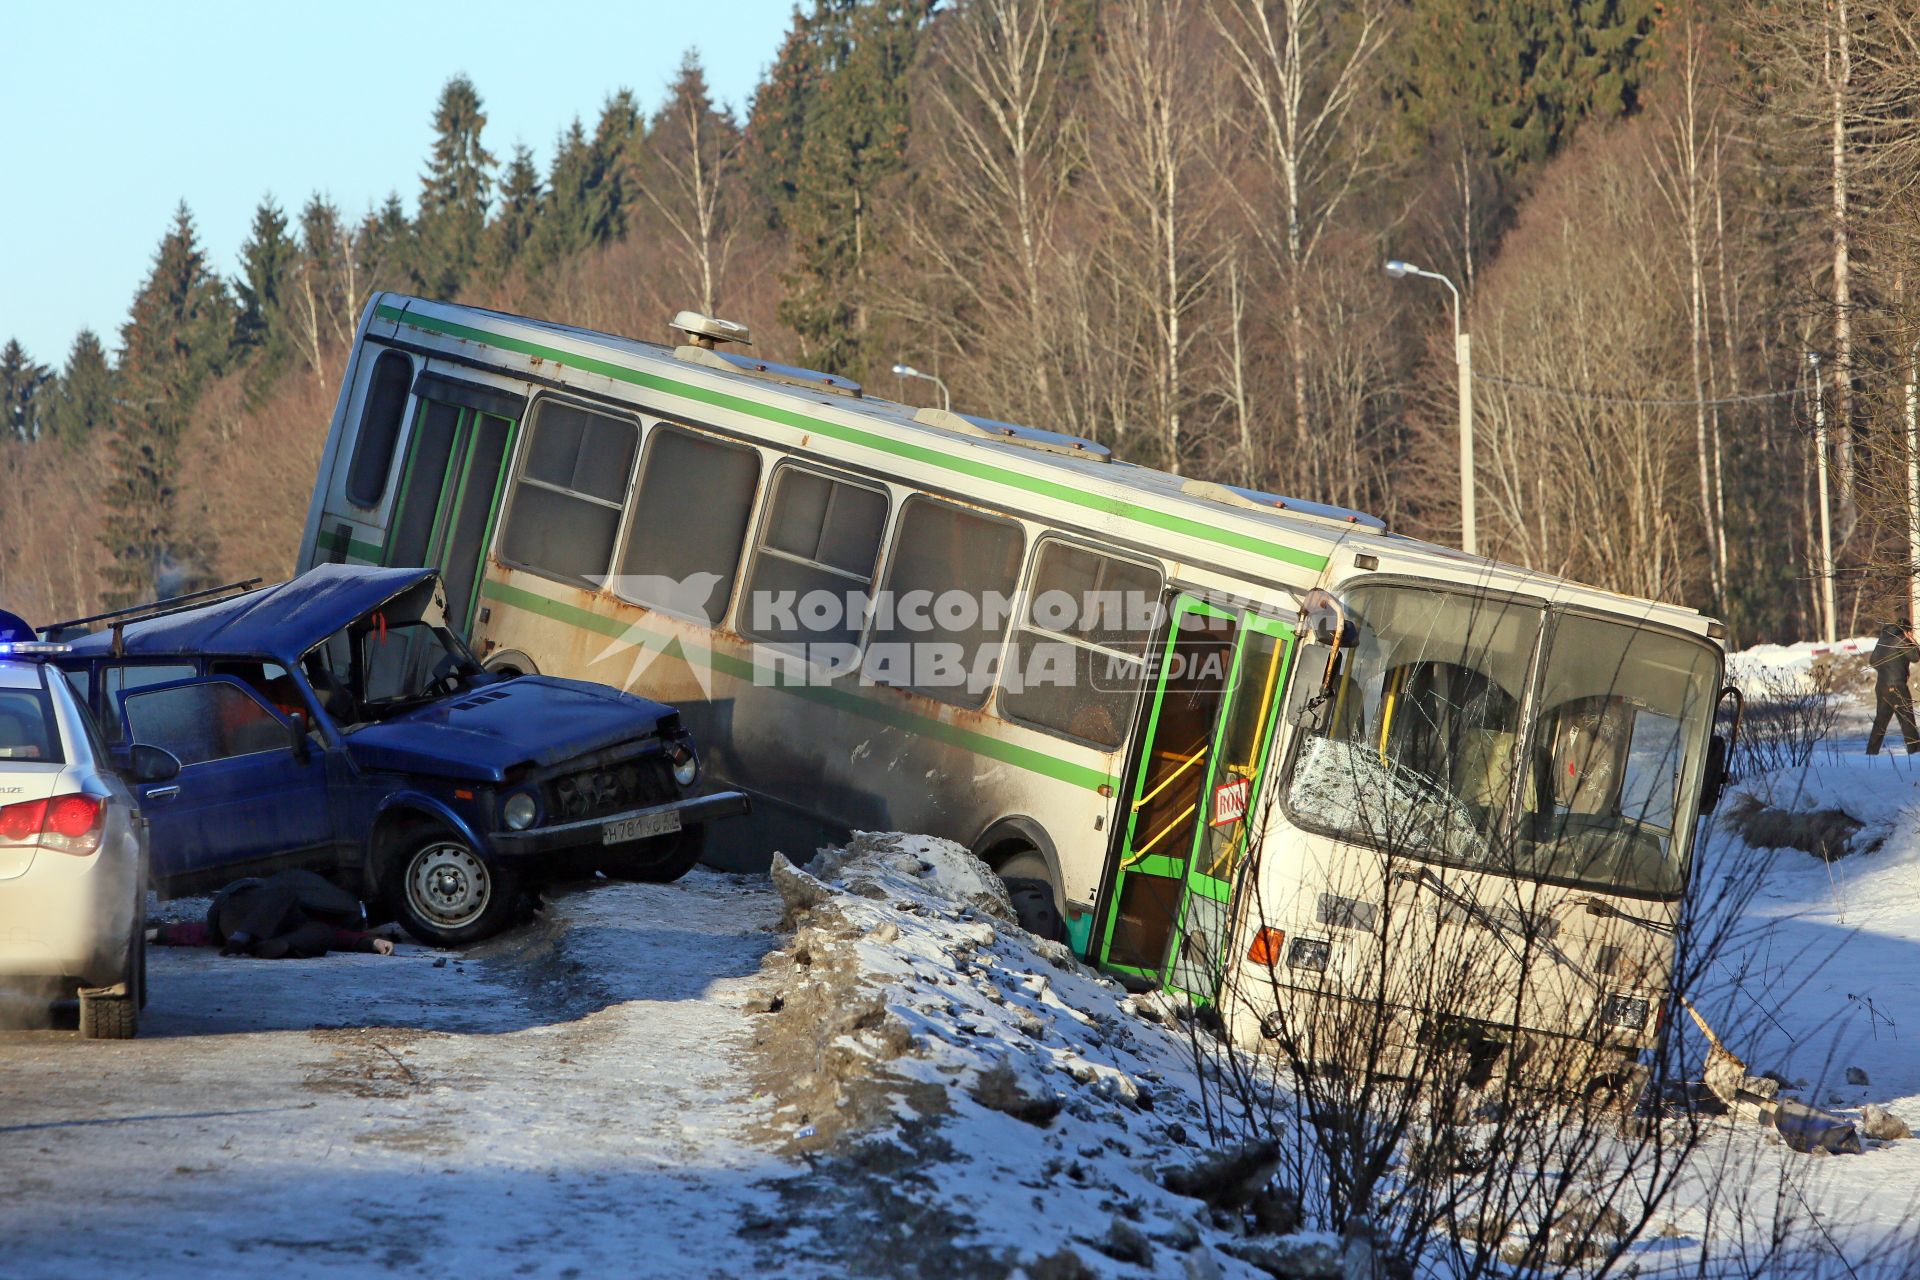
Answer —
(446, 894)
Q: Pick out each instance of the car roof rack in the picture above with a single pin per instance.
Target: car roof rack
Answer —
(119, 618)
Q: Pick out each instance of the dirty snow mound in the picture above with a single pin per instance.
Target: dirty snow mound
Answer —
(983, 1103)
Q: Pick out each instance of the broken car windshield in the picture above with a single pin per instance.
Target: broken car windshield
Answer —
(392, 658)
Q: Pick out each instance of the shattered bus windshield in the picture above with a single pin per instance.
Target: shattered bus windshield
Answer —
(1419, 741)
(1422, 735)
(1620, 736)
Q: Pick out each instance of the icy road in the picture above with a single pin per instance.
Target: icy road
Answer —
(567, 1101)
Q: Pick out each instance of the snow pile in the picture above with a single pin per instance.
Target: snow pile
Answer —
(1792, 665)
(980, 1102)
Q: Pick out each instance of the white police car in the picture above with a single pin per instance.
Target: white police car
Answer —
(72, 851)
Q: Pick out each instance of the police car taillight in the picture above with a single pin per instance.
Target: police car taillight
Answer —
(65, 824)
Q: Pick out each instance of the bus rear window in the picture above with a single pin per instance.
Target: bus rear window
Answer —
(379, 434)
(26, 727)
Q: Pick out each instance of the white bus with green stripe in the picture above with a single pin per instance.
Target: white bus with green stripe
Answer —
(607, 508)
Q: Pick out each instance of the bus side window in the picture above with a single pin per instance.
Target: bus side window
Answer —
(379, 434)
(818, 544)
(940, 548)
(572, 488)
(689, 523)
(1076, 659)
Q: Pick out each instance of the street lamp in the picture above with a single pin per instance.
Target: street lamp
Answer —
(1463, 357)
(908, 371)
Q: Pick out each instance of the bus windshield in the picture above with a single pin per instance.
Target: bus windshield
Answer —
(1422, 737)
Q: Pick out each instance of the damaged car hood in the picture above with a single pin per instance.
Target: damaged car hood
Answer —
(489, 731)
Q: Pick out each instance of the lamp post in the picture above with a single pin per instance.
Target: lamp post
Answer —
(908, 371)
(1463, 358)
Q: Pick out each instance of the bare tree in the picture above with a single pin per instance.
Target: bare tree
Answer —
(690, 175)
(1302, 66)
(1150, 167)
(981, 241)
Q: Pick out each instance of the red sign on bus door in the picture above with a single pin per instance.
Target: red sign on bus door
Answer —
(1230, 801)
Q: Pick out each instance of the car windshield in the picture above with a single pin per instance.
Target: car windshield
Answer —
(396, 657)
(1419, 751)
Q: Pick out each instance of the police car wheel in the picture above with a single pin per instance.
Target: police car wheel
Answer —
(657, 861)
(447, 895)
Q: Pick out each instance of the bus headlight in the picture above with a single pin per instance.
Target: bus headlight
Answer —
(1309, 953)
(519, 811)
(686, 766)
(1627, 1012)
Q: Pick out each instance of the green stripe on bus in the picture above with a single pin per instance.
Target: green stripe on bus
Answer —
(854, 435)
(862, 705)
(367, 551)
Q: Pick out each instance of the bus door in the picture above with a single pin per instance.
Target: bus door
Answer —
(450, 488)
(1188, 819)
(1232, 825)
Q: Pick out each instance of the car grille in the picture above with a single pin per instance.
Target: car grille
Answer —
(613, 788)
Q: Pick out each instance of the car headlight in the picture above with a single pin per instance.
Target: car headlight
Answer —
(519, 811)
(686, 765)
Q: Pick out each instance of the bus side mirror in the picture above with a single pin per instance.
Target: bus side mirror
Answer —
(1714, 777)
(1308, 707)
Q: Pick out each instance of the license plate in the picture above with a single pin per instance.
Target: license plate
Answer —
(647, 824)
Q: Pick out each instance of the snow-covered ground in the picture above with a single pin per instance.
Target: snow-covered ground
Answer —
(863, 1066)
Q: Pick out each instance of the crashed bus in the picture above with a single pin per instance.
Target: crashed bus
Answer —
(1198, 729)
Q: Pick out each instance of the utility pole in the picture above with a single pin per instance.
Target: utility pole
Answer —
(1826, 522)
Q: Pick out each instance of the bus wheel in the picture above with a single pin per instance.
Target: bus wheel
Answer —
(656, 861)
(1030, 887)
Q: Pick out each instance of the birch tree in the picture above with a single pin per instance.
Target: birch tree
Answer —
(689, 179)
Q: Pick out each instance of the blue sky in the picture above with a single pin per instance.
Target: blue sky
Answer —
(118, 111)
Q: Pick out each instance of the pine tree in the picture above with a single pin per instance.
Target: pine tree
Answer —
(176, 340)
(616, 140)
(520, 200)
(384, 245)
(1520, 75)
(855, 135)
(266, 261)
(561, 229)
(83, 400)
(777, 120)
(454, 193)
(22, 385)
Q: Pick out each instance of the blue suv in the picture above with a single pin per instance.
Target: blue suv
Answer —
(336, 722)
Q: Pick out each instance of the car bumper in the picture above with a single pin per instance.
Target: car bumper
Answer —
(70, 919)
(571, 836)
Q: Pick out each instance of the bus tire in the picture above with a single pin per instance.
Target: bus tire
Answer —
(659, 860)
(1030, 889)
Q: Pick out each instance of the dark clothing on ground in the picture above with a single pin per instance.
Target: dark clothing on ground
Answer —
(288, 915)
(1894, 653)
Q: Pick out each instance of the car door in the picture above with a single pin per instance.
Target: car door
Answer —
(250, 787)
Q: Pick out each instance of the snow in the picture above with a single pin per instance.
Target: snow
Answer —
(865, 1065)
